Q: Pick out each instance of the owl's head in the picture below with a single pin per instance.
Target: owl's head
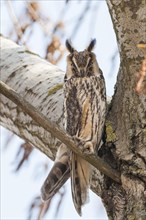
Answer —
(81, 64)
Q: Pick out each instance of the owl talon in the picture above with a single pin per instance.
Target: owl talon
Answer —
(85, 147)
(88, 148)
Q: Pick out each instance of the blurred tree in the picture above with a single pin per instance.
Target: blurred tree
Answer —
(124, 149)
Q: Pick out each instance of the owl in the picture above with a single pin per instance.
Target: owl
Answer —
(84, 119)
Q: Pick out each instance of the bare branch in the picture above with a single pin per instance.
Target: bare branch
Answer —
(43, 121)
(35, 16)
(15, 21)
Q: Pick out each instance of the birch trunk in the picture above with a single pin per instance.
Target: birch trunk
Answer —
(40, 83)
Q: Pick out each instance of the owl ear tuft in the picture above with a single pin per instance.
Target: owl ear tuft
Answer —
(69, 46)
(91, 45)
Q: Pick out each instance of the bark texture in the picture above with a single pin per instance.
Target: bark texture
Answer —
(40, 83)
(127, 115)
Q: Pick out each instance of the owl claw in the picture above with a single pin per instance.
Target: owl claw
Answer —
(84, 146)
(88, 148)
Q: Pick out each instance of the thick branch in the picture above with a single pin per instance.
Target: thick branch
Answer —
(128, 115)
(57, 132)
(40, 83)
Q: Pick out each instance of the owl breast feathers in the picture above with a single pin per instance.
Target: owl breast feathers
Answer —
(84, 118)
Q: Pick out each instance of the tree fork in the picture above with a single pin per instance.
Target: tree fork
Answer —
(44, 122)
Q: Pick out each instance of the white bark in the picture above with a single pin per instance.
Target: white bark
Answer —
(40, 83)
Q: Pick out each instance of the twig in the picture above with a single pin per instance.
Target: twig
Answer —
(37, 18)
(80, 19)
(15, 21)
(43, 121)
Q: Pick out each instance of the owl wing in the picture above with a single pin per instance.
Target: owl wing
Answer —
(58, 175)
(84, 116)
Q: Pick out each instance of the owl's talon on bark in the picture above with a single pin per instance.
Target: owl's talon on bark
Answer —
(85, 147)
(88, 148)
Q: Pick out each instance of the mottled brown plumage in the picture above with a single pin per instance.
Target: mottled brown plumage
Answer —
(84, 118)
(58, 175)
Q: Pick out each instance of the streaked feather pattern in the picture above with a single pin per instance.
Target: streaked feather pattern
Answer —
(84, 111)
(58, 175)
(84, 118)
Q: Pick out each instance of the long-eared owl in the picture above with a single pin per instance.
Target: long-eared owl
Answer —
(84, 118)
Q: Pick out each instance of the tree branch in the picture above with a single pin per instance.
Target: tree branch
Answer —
(44, 122)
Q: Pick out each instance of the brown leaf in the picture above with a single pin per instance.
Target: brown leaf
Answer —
(55, 50)
(141, 46)
(34, 5)
(141, 81)
(33, 10)
(24, 27)
(25, 149)
(42, 208)
(54, 45)
(59, 25)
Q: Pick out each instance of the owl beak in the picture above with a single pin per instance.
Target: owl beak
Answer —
(82, 72)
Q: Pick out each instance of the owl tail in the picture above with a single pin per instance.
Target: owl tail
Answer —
(58, 175)
(80, 181)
